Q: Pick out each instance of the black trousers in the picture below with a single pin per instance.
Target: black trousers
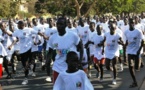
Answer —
(25, 57)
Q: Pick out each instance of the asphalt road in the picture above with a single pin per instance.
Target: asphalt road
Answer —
(38, 83)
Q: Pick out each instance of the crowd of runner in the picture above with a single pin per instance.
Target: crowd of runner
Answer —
(72, 46)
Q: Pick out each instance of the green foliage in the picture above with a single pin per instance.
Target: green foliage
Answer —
(41, 6)
(13, 10)
(100, 7)
(8, 8)
(118, 6)
(24, 14)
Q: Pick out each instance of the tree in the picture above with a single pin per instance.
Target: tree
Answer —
(31, 6)
(4, 8)
(86, 7)
(14, 8)
(8, 8)
(119, 6)
(41, 6)
(69, 7)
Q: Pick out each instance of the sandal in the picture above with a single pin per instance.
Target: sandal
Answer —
(133, 85)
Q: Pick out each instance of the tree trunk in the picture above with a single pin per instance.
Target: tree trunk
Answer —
(78, 12)
(78, 8)
(91, 6)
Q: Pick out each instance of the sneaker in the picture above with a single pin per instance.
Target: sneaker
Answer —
(9, 77)
(33, 74)
(114, 82)
(25, 81)
(121, 67)
(48, 79)
(90, 66)
(43, 63)
(30, 72)
(137, 70)
(133, 85)
(31, 67)
(51, 63)
(89, 75)
(98, 74)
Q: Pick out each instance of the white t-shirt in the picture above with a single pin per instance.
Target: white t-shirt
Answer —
(49, 32)
(134, 39)
(91, 46)
(25, 40)
(118, 30)
(83, 32)
(1, 32)
(40, 28)
(98, 23)
(17, 44)
(1, 38)
(2, 50)
(73, 81)
(123, 29)
(139, 27)
(143, 21)
(71, 30)
(105, 27)
(7, 42)
(62, 45)
(45, 26)
(120, 23)
(93, 20)
(98, 50)
(36, 39)
(112, 46)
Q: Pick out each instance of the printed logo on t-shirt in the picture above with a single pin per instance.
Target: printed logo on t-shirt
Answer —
(113, 41)
(78, 85)
(111, 46)
(24, 33)
(55, 45)
(132, 44)
(51, 33)
(6, 37)
(134, 38)
(61, 52)
(86, 32)
(83, 37)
